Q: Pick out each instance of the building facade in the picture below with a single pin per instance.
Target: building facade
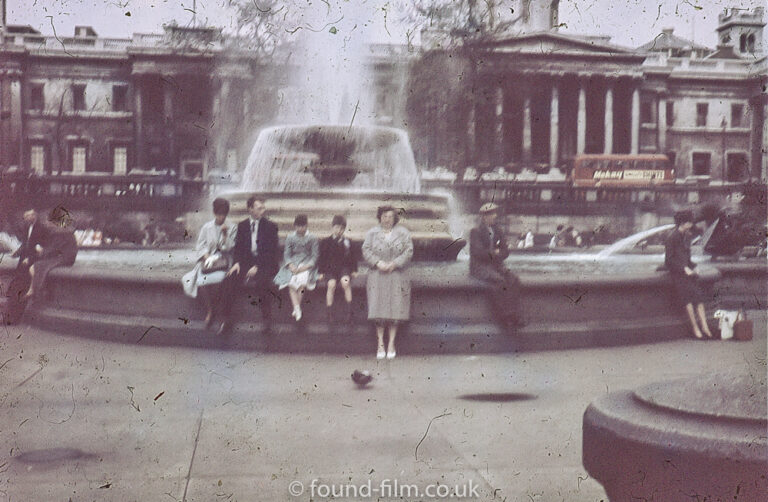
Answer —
(543, 97)
(186, 105)
(154, 104)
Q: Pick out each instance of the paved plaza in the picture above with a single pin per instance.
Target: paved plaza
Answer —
(85, 420)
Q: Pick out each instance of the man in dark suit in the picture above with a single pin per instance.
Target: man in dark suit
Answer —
(487, 252)
(256, 261)
(33, 237)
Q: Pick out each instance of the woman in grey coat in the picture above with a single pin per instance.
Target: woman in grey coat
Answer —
(388, 248)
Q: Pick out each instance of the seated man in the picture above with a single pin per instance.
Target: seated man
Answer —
(42, 249)
(32, 236)
(487, 252)
(256, 261)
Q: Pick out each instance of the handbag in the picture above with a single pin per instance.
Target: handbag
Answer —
(217, 262)
(742, 328)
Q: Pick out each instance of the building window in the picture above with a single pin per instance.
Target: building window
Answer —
(36, 97)
(738, 167)
(670, 113)
(672, 156)
(646, 112)
(737, 115)
(120, 98)
(37, 158)
(120, 159)
(701, 163)
(192, 170)
(747, 43)
(702, 110)
(79, 158)
(78, 97)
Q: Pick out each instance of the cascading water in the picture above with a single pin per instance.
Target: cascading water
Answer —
(326, 157)
(331, 83)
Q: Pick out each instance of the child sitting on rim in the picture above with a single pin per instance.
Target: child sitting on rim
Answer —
(338, 264)
(299, 270)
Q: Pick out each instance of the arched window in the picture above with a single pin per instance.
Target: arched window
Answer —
(751, 43)
(743, 43)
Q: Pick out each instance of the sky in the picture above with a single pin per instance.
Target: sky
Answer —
(629, 23)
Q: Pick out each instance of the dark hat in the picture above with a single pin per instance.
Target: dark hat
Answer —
(684, 216)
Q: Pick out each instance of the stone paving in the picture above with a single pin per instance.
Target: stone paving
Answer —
(87, 420)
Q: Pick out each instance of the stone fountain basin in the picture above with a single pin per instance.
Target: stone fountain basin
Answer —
(427, 216)
(142, 301)
(681, 440)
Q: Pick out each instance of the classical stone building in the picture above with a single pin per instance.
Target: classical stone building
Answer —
(185, 104)
(153, 104)
(543, 97)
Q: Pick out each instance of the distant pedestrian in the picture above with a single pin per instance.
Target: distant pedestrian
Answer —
(573, 238)
(337, 265)
(299, 269)
(388, 248)
(528, 239)
(487, 252)
(677, 260)
(557, 238)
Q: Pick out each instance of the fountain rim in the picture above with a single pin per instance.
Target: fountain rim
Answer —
(345, 193)
(330, 126)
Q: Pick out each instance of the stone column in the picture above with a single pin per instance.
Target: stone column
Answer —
(17, 120)
(498, 131)
(170, 132)
(608, 135)
(470, 140)
(138, 120)
(219, 155)
(554, 126)
(635, 121)
(527, 138)
(581, 120)
(11, 133)
(662, 123)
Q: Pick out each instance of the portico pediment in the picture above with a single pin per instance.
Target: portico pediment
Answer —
(556, 44)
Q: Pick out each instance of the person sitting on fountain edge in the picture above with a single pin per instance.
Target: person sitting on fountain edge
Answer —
(299, 270)
(338, 264)
(256, 261)
(677, 260)
(487, 252)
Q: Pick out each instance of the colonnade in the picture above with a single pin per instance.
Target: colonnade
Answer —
(533, 118)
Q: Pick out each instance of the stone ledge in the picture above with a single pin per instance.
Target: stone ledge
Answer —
(639, 450)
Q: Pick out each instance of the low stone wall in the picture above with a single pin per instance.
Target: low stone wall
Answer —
(450, 312)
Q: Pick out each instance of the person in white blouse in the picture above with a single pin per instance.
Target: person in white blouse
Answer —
(214, 253)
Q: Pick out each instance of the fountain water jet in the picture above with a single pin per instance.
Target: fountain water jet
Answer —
(324, 170)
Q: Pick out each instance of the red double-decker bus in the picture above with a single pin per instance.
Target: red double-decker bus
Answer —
(594, 170)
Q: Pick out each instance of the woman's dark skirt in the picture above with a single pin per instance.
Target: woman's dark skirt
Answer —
(687, 289)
